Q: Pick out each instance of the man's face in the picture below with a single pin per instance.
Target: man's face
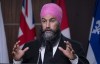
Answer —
(49, 25)
(49, 22)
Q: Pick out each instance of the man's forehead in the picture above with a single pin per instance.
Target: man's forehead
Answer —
(47, 17)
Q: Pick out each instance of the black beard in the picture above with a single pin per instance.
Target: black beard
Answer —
(51, 36)
(48, 35)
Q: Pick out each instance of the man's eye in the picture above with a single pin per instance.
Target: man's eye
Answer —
(43, 21)
(53, 20)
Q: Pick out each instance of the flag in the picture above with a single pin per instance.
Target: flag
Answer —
(27, 27)
(93, 54)
(3, 43)
(64, 23)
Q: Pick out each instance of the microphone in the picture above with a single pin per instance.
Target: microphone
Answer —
(40, 49)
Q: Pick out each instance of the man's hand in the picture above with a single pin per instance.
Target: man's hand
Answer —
(17, 52)
(68, 52)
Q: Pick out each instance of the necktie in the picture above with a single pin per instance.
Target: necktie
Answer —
(48, 54)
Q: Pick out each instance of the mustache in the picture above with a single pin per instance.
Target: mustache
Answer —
(48, 29)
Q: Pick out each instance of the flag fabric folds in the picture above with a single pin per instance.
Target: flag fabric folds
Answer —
(3, 44)
(27, 27)
(64, 23)
(93, 54)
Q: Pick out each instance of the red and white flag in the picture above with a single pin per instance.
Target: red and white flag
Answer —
(27, 27)
(64, 23)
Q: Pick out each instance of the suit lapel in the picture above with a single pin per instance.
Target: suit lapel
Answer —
(61, 44)
(36, 51)
(59, 56)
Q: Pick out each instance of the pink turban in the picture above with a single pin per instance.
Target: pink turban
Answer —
(52, 9)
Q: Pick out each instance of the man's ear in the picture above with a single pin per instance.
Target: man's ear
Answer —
(40, 30)
(58, 25)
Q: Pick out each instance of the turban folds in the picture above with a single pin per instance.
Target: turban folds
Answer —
(52, 9)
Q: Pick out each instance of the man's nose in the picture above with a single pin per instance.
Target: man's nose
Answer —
(48, 24)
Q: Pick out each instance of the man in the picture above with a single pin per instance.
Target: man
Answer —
(52, 47)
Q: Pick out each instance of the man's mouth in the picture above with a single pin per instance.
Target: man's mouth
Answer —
(48, 31)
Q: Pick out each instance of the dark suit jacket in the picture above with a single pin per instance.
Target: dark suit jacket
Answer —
(31, 56)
